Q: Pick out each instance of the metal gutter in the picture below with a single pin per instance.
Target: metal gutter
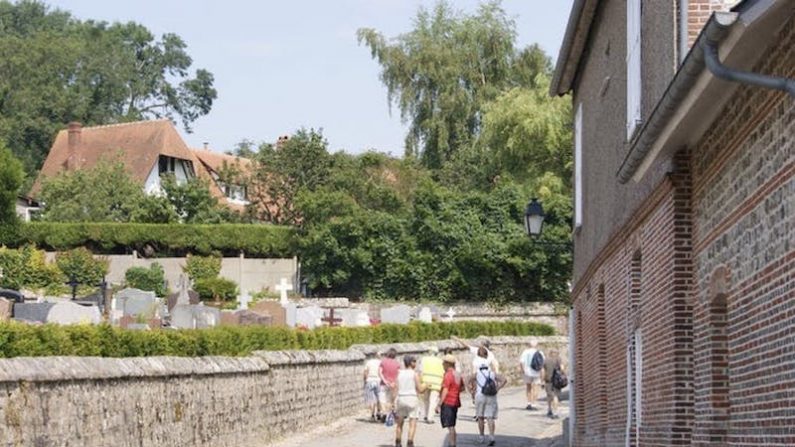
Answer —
(715, 31)
(721, 71)
(572, 47)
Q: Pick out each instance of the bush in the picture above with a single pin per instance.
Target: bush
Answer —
(20, 340)
(216, 289)
(79, 264)
(164, 239)
(152, 279)
(202, 267)
(28, 268)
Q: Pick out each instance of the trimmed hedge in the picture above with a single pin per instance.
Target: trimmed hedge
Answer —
(22, 340)
(170, 239)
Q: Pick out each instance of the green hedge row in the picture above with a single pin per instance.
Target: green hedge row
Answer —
(165, 239)
(21, 340)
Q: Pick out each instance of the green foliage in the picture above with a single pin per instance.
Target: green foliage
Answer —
(192, 201)
(20, 340)
(152, 279)
(79, 264)
(27, 268)
(441, 74)
(202, 267)
(105, 193)
(215, 289)
(11, 176)
(55, 68)
(176, 240)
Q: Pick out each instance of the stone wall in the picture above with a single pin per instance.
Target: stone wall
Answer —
(210, 401)
(250, 274)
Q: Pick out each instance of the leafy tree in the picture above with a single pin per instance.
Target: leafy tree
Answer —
(202, 267)
(152, 279)
(216, 289)
(104, 193)
(441, 73)
(281, 171)
(27, 267)
(81, 265)
(192, 201)
(55, 68)
(11, 175)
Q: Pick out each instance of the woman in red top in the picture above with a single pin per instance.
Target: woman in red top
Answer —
(388, 373)
(452, 387)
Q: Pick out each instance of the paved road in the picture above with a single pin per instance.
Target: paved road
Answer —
(516, 427)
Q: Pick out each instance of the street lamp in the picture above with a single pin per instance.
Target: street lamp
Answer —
(534, 218)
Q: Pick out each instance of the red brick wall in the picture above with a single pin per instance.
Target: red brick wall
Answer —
(698, 13)
(715, 294)
(744, 239)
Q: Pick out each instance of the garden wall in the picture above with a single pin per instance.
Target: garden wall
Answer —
(208, 401)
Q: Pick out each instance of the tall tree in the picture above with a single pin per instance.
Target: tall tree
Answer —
(55, 68)
(10, 180)
(441, 73)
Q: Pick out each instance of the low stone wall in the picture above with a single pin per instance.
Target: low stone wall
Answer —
(209, 401)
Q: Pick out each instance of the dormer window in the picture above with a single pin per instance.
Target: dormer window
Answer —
(181, 169)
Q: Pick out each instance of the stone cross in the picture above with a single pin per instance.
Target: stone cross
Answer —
(183, 297)
(243, 301)
(450, 314)
(283, 287)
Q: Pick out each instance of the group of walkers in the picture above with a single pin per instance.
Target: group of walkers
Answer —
(435, 384)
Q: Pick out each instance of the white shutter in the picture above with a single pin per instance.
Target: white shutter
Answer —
(633, 66)
(578, 167)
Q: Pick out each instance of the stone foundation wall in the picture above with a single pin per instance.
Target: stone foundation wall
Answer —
(209, 401)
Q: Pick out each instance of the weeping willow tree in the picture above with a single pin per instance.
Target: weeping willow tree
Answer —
(442, 72)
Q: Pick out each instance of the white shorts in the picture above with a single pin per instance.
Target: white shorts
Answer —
(535, 380)
(408, 407)
(486, 406)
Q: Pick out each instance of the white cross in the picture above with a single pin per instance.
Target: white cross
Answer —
(450, 314)
(283, 287)
(243, 301)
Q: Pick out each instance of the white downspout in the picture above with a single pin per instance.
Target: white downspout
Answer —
(572, 375)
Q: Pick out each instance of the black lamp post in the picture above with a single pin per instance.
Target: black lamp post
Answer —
(534, 218)
(73, 283)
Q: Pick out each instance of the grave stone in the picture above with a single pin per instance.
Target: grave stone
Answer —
(309, 317)
(273, 309)
(450, 314)
(182, 317)
(244, 318)
(36, 312)
(400, 314)
(6, 309)
(283, 287)
(71, 313)
(425, 315)
(353, 317)
(206, 316)
(290, 314)
(243, 301)
(193, 298)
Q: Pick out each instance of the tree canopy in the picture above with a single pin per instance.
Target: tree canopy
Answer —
(11, 176)
(55, 68)
(442, 73)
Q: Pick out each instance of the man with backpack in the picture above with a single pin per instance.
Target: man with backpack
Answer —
(484, 384)
(531, 364)
(554, 381)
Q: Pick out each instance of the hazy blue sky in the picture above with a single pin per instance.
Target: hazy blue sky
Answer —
(281, 65)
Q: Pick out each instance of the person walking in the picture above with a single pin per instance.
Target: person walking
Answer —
(432, 373)
(531, 363)
(484, 384)
(452, 387)
(372, 386)
(490, 359)
(388, 373)
(554, 381)
(407, 405)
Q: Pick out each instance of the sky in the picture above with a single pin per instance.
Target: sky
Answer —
(280, 65)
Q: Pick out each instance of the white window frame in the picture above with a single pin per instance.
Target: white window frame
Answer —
(578, 168)
(634, 81)
(638, 380)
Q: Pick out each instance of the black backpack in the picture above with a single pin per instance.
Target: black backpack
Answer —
(537, 362)
(559, 379)
(489, 388)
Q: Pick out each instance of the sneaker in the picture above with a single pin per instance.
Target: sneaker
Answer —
(491, 442)
(481, 439)
(529, 407)
(550, 415)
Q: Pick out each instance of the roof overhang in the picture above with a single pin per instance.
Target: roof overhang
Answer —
(573, 46)
(695, 97)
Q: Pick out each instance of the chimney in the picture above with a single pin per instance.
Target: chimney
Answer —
(281, 140)
(72, 159)
(206, 146)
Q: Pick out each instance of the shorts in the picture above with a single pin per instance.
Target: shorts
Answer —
(386, 395)
(448, 416)
(408, 407)
(486, 406)
(551, 391)
(534, 380)
(372, 392)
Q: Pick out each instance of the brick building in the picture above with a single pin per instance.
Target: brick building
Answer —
(684, 269)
